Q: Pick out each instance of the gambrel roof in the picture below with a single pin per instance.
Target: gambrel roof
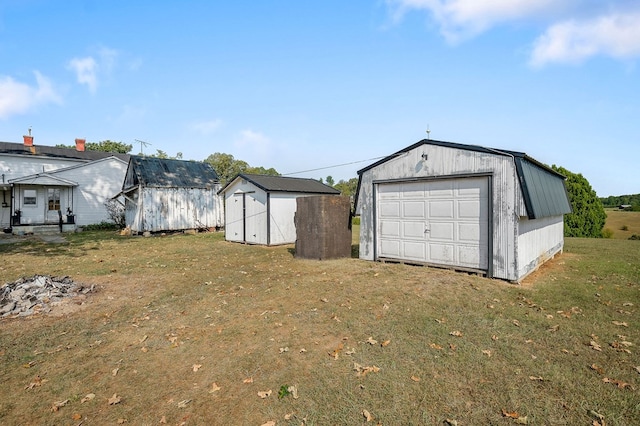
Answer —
(543, 188)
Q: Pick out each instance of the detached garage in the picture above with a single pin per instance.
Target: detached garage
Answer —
(464, 207)
(260, 209)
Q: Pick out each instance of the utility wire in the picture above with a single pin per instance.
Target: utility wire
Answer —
(331, 167)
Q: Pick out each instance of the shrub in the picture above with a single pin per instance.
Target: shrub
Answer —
(115, 210)
(607, 233)
(624, 228)
(355, 220)
(634, 237)
(102, 226)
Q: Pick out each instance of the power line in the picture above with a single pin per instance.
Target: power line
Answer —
(331, 167)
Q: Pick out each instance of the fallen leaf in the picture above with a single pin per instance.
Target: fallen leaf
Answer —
(184, 403)
(618, 383)
(620, 323)
(283, 350)
(415, 379)
(494, 337)
(114, 372)
(487, 352)
(451, 422)
(324, 299)
(521, 421)
(456, 333)
(435, 346)
(595, 346)
(122, 421)
(143, 338)
(57, 405)
(115, 399)
(637, 369)
(596, 415)
(269, 423)
(214, 388)
(372, 341)
(385, 343)
(516, 323)
(37, 382)
(513, 414)
(597, 369)
(163, 420)
(248, 380)
(452, 346)
(264, 394)
(76, 416)
(196, 367)
(302, 350)
(293, 390)
(288, 416)
(539, 378)
(88, 397)
(554, 328)
(350, 351)
(367, 415)
(627, 304)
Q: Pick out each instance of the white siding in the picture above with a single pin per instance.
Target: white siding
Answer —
(98, 182)
(282, 216)
(446, 162)
(538, 241)
(17, 166)
(172, 209)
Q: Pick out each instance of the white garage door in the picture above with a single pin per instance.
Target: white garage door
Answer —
(442, 222)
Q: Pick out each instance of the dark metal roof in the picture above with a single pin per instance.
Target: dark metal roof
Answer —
(285, 184)
(167, 173)
(542, 187)
(55, 152)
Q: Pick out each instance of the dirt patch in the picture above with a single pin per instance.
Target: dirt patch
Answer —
(548, 270)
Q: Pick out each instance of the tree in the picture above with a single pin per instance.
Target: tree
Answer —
(226, 166)
(330, 181)
(588, 216)
(103, 146)
(262, 171)
(161, 154)
(347, 188)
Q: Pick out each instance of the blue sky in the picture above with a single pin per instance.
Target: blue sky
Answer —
(300, 85)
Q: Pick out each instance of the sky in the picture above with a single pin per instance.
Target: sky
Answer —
(324, 88)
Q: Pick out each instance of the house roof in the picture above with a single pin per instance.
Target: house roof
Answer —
(55, 152)
(285, 184)
(543, 188)
(168, 173)
(49, 179)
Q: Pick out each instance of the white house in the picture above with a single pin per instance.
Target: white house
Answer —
(44, 187)
(260, 209)
(170, 195)
(465, 207)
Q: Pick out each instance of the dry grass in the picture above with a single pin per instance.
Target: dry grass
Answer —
(189, 329)
(624, 224)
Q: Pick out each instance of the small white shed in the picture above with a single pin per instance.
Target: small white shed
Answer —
(171, 195)
(466, 207)
(260, 209)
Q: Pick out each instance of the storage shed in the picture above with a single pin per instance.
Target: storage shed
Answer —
(465, 207)
(171, 195)
(260, 209)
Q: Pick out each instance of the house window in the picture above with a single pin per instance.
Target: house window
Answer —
(53, 196)
(30, 197)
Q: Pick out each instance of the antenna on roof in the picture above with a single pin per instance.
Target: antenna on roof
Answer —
(428, 132)
(29, 130)
(142, 144)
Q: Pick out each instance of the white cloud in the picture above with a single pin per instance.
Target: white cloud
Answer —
(615, 35)
(462, 19)
(575, 29)
(206, 127)
(86, 72)
(89, 69)
(19, 98)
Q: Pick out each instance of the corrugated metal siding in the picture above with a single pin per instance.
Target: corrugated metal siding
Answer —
(538, 240)
(445, 162)
(545, 193)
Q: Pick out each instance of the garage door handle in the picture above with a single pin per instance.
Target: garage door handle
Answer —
(426, 230)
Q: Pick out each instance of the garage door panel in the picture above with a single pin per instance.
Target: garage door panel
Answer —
(442, 231)
(414, 250)
(441, 253)
(414, 210)
(390, 229)
(412, 191)
(389, 190)
(390, 248)
(468, 256)
(441, 209)
(413, 230)
(468, 232)
(390, 209)
(441, 189)
(469, 209)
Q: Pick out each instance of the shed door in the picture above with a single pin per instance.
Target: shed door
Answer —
(442, 222)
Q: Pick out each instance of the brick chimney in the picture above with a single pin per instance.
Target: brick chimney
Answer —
(28, 140)
(80, 144)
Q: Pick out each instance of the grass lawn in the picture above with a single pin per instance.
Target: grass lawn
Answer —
(193, 330)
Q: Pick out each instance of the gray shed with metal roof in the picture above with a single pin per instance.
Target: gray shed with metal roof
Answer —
(170, 195)
(260, 209)
(466, 207)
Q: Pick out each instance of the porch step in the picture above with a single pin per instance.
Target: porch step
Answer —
(41, 229)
